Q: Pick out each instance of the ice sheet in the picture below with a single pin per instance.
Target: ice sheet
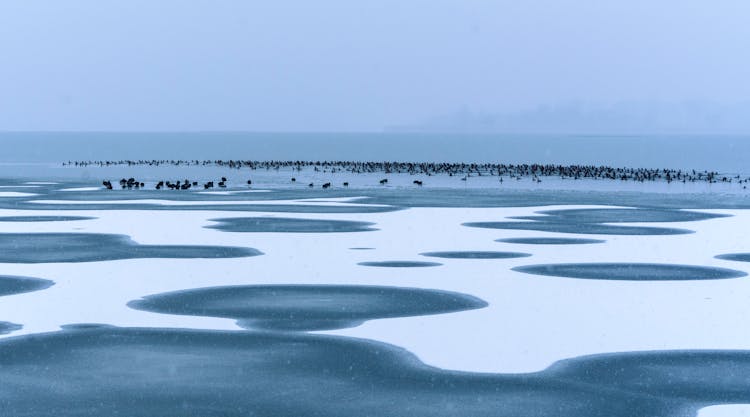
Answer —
(531, 321)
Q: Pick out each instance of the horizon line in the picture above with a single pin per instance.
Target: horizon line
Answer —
(385, 132)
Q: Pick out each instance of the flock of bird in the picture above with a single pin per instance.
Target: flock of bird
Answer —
(132, 183)
(466, 170)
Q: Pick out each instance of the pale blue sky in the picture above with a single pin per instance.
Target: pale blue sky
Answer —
(343, 65)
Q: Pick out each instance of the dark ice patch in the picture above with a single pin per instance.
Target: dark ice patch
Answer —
(91, 247)
(306, 307)
(10, 285)
(43, 218)
(739, 257)
(597, 221)
(631, 271)
(8, 327)
(86, 326)
(399, 264)
(289, 225)
(153, 372)
(580, 228)
(476, 255)
(629, 215)
(710, 376)
(549, 240)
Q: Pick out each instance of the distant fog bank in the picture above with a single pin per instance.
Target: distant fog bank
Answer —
(694, 117)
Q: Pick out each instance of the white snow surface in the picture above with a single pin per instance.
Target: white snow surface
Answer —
(729, 410)
(82, 189)
(531, 321)
(15, 194)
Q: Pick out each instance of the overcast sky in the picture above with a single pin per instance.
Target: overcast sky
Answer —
(344, 65)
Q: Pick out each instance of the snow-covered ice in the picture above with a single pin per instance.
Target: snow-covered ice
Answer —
(729, 410)
(531, 321)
